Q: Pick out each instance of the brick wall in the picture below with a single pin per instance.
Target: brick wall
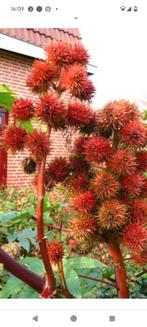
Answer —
(14, 69)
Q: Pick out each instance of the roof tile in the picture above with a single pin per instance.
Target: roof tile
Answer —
(41, 36)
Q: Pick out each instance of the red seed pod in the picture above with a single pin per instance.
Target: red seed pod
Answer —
(13, 138)
(97, 149)
(141, 159)
(84, 202)
(134, 236)
(51, 111)
(133, 135)
(75, 80)
(60, 53)
(38, 144)
(105, 185)
(79, 114)
(83, 227)
(116, 114)
(133, 184)
(112, 214)
(122, 162)
(23, 109)
(41, 76)
(79, 145)
(78, 183)
(139, 211)
(140, 258)
(58, 170)
(55, 251)
(80, 55)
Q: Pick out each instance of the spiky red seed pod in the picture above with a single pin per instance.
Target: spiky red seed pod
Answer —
(80, 55)
(79, 114)
(41, 76)
(141, 157)
(83, 227)
(55, 251)
(52, 111)
(105, 185)
(74, 79)
(60, 53)
(86, 91)
(144, 189)
(79, 165)
(133, 184)
(116, 114)
(13, 138)
(23, 109)
(79, 145)
(58, 170)
(78, 183)
(122, 162)
(134, 236)
(133, 135)
(97, 149)
(89, 127)
(140, 258)
(112, 214)
(84, 202)
(38, 144)
(139, 211)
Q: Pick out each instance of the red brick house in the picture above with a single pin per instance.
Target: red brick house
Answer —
(18, 48)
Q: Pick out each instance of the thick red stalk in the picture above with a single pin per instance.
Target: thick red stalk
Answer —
(120, 270)
(21, 272)
(40, 228)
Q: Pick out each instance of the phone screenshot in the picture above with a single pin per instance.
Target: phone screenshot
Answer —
(73, 163)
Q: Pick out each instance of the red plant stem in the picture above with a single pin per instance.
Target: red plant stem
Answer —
(60, 278)
(120, 270)
(40, 227)
(99, 280)
(66, 290)
(21, 272)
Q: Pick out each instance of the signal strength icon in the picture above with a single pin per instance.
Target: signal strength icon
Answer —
(129, 9)
(123, 8)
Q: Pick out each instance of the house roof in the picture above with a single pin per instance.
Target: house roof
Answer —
(41, 36)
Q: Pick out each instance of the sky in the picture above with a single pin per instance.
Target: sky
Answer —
(117, 45)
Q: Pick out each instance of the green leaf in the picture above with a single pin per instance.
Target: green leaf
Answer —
(79, 263)
(34, 264)
(73, 283)
(24, 243)
(6, 97)
(108, 272)
(27, 293)
(11, 288)
(26, 124)
(11, 215)
(4, 218)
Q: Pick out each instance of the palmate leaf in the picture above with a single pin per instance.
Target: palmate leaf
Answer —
(7, 97)
(73, 267)
(81, 263)
(12, 215)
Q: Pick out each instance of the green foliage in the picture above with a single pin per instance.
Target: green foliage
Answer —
(26, 124)
(15, 288)
(7, 97)
(18, 224)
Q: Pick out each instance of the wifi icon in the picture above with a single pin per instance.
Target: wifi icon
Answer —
(123, 8)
